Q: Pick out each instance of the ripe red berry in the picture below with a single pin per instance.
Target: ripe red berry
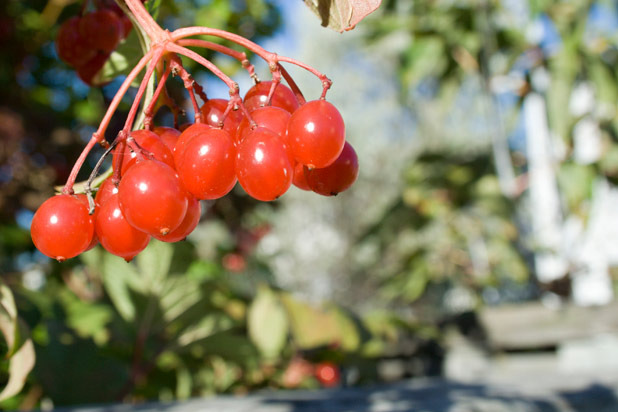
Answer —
(262, 165)
(102, 30)
(186, 136)
(337, 177)
(316, 133)
(168, 135)
(151, 197)
(106, 189)
(95, 240)
(269, 117)
(328, 374)
(71, 46)
(62, 228)
(207, 164)
(212, 114)
(116, 235)
(283, 97)
(299, 177)
(150, 142)
(188, 224)
(90, 72)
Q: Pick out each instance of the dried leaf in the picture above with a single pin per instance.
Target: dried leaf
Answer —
(342, 15)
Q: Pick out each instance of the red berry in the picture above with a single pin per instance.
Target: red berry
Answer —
(337, 177)
(71, 46)
(269, 117)
(188, 224)
(234, 262)
(212, 114)
(262, 165)
(106, 189)
(116, 235)
(328, 374)
(102, 30)
(62, 228)
(207, 164)
(150, 142)
(299, 177)
(186, 136)
(283, 97)
(316, 133)
(95, 240)
(168, 135)
(151, 197)
(90, 71)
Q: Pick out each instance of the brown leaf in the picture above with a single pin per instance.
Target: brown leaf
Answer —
(342, 15)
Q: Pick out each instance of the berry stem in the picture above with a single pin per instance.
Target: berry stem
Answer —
(271, 58)
(146, 22)
(238, 55)
(299, 95)
(189, 83)
(94, 174)
(150, 110)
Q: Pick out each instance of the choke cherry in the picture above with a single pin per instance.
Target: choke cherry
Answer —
(262, 165)
(212, 114)
(102, 30)
(150, 142)
(62, 228)
(72, 47)
(269, 117)
(192, 218)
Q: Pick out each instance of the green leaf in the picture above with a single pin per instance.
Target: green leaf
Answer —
(310, 327)
(20, 365)
(123, 59)
(349, 336)
(267, 323)
(153, 7)
(154, 263)
(118, 277)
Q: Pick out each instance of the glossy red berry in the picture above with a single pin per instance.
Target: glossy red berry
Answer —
(269, 117)
(95, 240)
(186, 136)
(62, 228)
(207, 164)
(212, 114)
(168, 135)
(316, 133)
(188, 224)
(106, 189)
(150, 142)
(299, 177)
(90, 72)
(116, 235)
(262, 165)
(151, 197)
(327, 374)
(102, 30)
(337, 177)
(283, 97)
(71, 45)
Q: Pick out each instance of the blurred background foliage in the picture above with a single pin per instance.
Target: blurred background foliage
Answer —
(211, 315)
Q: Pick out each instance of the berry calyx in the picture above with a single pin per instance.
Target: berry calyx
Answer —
(316, 133)
(188, 224)
(337, 177)
(262, 165)
(62, 228)
(151, 197)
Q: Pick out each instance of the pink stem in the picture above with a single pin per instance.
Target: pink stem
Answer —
(149, 112)
(271, 58)
(292, 84)
(146, 22)
(189, 84)
(99, 135)
(204, 62)
(238, 55)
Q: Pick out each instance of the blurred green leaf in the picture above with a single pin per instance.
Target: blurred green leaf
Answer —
(118, 277)
(267, 323)
(310, 327)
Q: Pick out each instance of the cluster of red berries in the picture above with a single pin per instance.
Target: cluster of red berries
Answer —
(169, 172)
(86, 42)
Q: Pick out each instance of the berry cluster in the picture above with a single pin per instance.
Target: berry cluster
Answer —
(267, 141)
(86, 42)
